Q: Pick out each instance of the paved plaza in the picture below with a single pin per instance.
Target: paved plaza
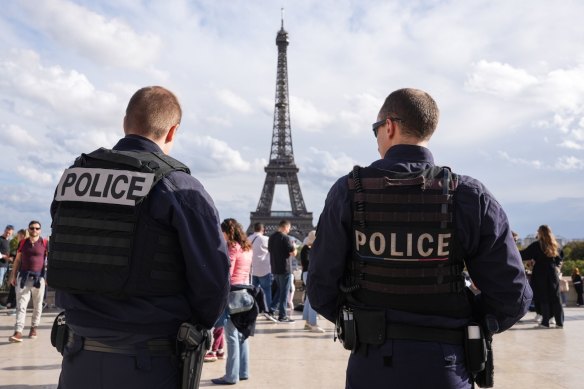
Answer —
(286, 356)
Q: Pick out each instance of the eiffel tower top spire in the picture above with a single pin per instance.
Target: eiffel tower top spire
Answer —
(281, 168)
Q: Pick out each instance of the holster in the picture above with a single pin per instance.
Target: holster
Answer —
(486, 377)
(60, 333)
(346, 330)
(194, 341)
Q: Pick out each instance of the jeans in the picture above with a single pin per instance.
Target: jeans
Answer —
(2, 272)
(264, 282)
(22, 299)
(237, 364)
(283, 282)
(308, 313)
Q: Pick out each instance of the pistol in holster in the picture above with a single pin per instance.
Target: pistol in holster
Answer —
(479, 354)
(194, 341)
(345, 328)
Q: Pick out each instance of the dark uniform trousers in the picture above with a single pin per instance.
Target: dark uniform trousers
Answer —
(97, 370)
(405, 364)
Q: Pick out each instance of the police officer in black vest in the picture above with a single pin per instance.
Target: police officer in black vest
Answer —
(387, 264)
(136, 250)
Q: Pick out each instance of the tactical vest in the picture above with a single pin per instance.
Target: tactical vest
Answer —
(405, 252)
(103, 240)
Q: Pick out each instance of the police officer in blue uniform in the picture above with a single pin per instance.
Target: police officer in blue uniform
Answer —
(136, 250)
(387, 264)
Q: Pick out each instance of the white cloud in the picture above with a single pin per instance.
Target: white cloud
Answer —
(233, 101)
(66, 92)
(536, 164)
(306, 116)
(106, 40)
(34, 174)
(498, 78)
(569, 163)
(15, 136)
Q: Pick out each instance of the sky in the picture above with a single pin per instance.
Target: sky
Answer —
(508, 77)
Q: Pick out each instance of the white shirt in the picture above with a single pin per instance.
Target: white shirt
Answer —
(260, 258)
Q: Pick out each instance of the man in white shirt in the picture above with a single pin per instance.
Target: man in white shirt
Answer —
(260, 268)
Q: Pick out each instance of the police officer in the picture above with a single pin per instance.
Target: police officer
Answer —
(392, 242)
(136, 250)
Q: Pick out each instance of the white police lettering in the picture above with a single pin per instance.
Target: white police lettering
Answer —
(121, 187)
(403, 246)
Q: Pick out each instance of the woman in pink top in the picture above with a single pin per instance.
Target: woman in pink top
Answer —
(237, 366)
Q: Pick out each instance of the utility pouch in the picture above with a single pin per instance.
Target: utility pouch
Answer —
(371, 326)
(346, 329)
(60, 333)
(475, 348)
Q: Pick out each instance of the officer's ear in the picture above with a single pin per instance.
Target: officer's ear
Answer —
(171, 133)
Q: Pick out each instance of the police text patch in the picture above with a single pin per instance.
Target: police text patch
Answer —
(120, 187)
(419, 246)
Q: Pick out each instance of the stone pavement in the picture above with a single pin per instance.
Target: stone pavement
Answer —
(286, 356)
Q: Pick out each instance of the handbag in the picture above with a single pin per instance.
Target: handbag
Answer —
(239, 301)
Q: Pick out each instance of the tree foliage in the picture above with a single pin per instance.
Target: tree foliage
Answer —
(574, 250)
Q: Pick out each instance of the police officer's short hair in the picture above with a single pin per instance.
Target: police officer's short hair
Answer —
(284, 223)
(257, 227)
(151, 111)
(417, 110)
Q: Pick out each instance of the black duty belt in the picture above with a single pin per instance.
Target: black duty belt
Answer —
(427, 334)
(160, 347)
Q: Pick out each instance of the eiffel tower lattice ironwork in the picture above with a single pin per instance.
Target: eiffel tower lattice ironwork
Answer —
(281, 169)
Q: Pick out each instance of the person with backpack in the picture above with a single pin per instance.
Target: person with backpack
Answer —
(28, 278)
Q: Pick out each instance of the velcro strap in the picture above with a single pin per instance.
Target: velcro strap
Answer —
(377, 198)
(405, 289)
(427, 334)
(385, 182)
(403, 216)
(420, 272)
(152, 347)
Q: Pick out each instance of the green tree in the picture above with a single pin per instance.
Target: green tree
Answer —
(574, 250)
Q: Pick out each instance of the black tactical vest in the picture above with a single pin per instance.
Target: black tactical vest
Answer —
(103, 240)
(405, 252)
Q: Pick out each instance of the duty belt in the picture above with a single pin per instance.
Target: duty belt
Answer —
(427, 334)
(156, 347)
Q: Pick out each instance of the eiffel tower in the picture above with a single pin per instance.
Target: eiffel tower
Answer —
(281, 169)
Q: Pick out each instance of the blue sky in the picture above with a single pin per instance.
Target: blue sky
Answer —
(508, 77)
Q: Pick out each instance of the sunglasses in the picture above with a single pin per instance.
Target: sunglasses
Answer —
(380, 123)
(34, 228)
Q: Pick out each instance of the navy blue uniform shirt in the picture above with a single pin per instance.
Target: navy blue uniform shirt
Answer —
(491, 256)
(180, 203)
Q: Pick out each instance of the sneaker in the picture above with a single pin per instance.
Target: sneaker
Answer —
(307, 327)
(210, 357)
(286, 319)
(537, 318)
(552, 321)
(16, 338)
(317, 329)
(220, 354)
(33, 333)
(542, 327)
(559, 327)
(270, 317)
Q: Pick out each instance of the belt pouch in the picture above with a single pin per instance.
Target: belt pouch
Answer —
(370, 326)
(60, 333)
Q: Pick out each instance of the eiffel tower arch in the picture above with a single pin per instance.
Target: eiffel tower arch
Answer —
(282, 169)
